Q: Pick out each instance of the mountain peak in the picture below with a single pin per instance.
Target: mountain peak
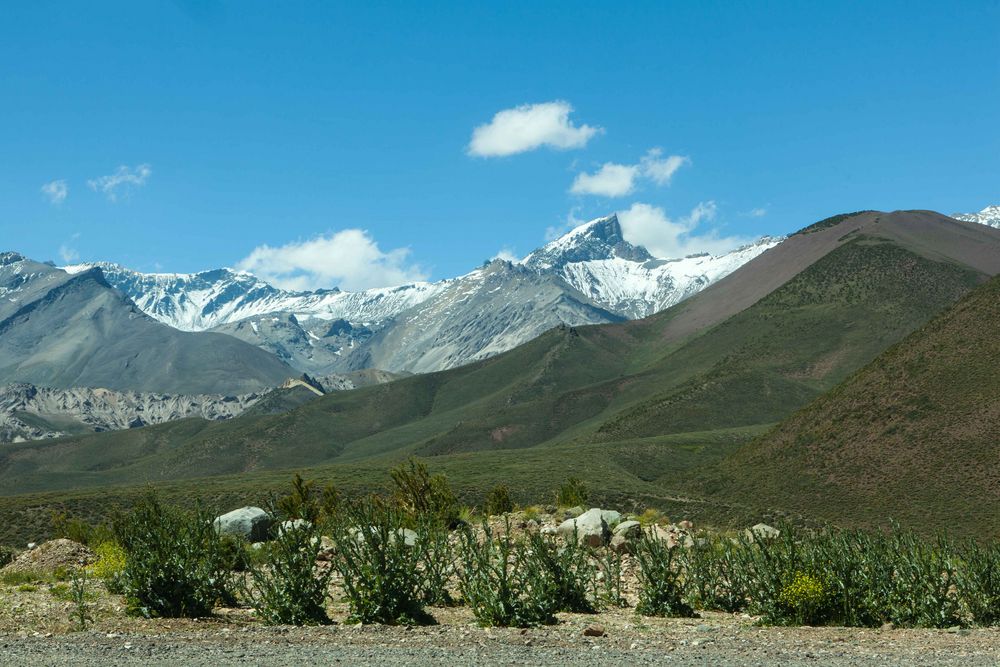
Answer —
(989, 216)
(601, 238)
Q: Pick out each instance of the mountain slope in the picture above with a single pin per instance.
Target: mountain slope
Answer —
(590, 275)
(61, 330)
(740, 354)
(915, 435)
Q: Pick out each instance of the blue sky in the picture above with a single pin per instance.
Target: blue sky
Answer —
(331, 143)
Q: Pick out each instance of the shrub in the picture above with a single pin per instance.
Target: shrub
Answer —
(498, 501)
(7, 554)
(572, 493)
(532, 513)
(289, 590)
(174, 561)
(421, 495)
(500, 584)
(652, 517)
(304, 502)
(109, 566)
(570, 570)
(661, 587)
(610, 564)
(80, 612)
(980, 582)
(436, 556)
(805, 599)
(382, 577)
(717, 579)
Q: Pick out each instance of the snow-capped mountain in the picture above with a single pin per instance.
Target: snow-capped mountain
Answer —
(989, 216)
(588, 276)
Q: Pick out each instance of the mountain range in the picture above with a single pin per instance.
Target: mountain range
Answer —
(659, 409)
(590, 275)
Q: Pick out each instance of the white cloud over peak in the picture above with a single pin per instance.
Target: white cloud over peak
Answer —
(56, 191)
(611, 180)
(649, 226)
(507, 254)
(618, 180)
(122, 180)
(350, 259)
(527, 127)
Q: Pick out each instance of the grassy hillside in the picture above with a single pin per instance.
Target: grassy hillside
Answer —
(637, 408)
(915, 435)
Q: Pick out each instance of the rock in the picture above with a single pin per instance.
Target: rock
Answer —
(621, 544)
(611, 517)
(628, 529)
(762, 531)
(549, 530)
(32, 545)
(594, 630)
(685, 525)
(590, 528)
(249, 523)
(409, 536)
(573, 512)
(293, 524)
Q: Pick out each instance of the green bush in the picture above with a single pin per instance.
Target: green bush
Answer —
(421, 495)
(436, 556)
(501, 582)
(572, 493)
(980, 582)
(305, 502)
(7, 554)
(569, 568)
(382, 576)
(717, 579)
(498, 501)
(80, 531)
(611, 593)
(175, 564)
(289, 590)
(661, 578)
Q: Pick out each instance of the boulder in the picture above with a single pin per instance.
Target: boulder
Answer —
(250, 523)
(409, 536)
(621, 544)
(590, 528)
(762, 531)
(573, 512)
(611, 517)
(628, 529)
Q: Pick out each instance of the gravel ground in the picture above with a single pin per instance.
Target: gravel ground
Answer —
(716, 639)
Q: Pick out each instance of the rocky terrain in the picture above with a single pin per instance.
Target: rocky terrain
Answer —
(28, 412)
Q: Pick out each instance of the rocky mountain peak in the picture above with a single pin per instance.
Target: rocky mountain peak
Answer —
(989, 216)
(598, 239)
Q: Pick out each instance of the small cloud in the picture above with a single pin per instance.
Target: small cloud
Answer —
(507, 254)
(124, 179)
(56, 191)
(611, 180)
(528, 127)
(649, 226)
(757, 212)
(349, 259)
(68, 254)
(661, 170)
(618, 180)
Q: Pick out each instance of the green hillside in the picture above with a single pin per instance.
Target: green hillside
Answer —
(914, 436)
(635, 408)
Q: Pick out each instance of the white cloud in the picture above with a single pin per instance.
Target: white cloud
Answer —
(124, 179)
(56, 191)
(67, 253)
(349, 259)
(571, 222)
(528, 127)
(507, 254)
(649, 226)
(661, 170)
(611, 180)
(757, 212)
(618, 180)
